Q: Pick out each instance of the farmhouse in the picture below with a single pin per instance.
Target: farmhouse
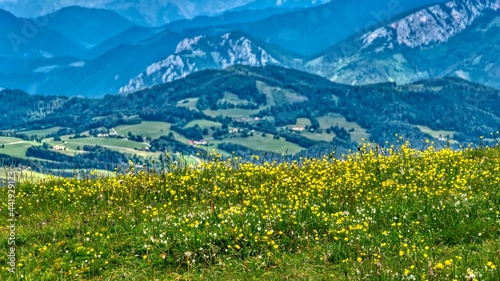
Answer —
(60, 147)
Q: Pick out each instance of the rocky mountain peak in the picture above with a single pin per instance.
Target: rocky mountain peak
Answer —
(433, 25)
(203, 52)
(456, 38)
(188, 43)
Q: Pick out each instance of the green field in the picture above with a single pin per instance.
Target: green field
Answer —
(149, 129)
(8, 140)
(233, 99)
(234, 112)
(319, 137)
(357, 135)
(401, 215)
(120, 145)
(86, 172)
(22, 176)
(203, 124)
(41, 132)
(105, 142)
(278, 96)
(189, 103)
(68, 151)
(302, 122)
(145, 154)
(436, 134)
(16, 147)
(267, 143)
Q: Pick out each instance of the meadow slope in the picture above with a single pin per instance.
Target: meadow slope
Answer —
(378, 214)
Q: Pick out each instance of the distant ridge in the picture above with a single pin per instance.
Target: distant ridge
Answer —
(458, 38)
(87, 26)
(209, 52)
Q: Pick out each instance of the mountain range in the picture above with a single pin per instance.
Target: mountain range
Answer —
(410, 48)
(24, 38)
(457, 38)
(210, 52)
(73, 22)
(101, 52)
(312, 30)
(150, 12)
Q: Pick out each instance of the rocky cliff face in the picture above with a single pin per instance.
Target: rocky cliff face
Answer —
(433, 25)
(457, 38)
(205, 52)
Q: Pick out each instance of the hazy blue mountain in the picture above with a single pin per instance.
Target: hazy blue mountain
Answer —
(312, 30)
(24, 38)
(107, 73)
(210, 52)
(36, 8)
(265, 4)
(136, 34)
(104, 74)
(232, 17)
(402, 49)
(158, 12)
(460, 38)
(305, 31)
(149, 12)
(87, 26)
(130, 36)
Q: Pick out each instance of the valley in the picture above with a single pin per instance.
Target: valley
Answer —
(244, 111)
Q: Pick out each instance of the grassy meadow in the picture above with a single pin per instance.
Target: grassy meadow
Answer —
(378, 214)
(15, 147)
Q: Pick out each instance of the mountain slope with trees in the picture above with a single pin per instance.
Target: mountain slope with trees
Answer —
(282, 95)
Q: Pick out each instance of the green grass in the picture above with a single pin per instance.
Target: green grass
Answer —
(41, 132)
(149, 129)
(303, 122)
(84, 172)
(408, 215)
(145, 154)
(436, 134)
(189, 103)
(233, 99)
(319, 137)
(267, 143)
(357, 135)
(234, 112)
(16, 147)
(8, 140)
(278, 96)
(203, 124)
(68, 151)
(105, 142)
(23, 176)
(119, 145)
